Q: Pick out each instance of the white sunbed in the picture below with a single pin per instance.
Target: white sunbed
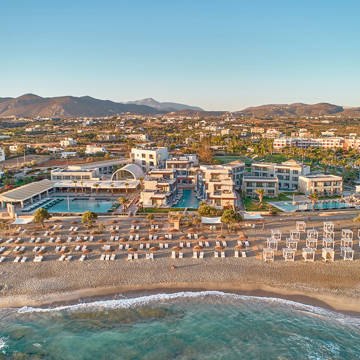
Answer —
(102, 257)
(201, 255)
(77, 248)
(130, 257)
(195, 255)
(2, 259)
(62, 258)
(24, 259)
(223, 254)
(136, 256)
(173, 255)
(216, 254)
(181, 255)
(68, 258)
(113, 257)
(17, 259)
(82, 257)
(243, 254)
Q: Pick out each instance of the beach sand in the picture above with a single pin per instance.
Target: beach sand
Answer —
(334, 286)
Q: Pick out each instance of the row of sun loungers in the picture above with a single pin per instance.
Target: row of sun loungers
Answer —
(108, 257)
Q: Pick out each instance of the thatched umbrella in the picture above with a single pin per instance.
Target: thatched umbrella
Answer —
(202, 237)
(132, 249)
(191, 230)
(142, 239)
(151, 230)
(80, 240)
(197, 247)
(161, 238)
(154, 248)
(101, 240)
(183, 237)
(220, 236)
(109, 249)
(134, 221)
(122, 239)
(132, 231)
(172, 230)
(219, 247)
(113, 232)
(85, 251)
(176, 248)
(238, 247)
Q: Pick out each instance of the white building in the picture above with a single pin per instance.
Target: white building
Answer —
(69, 141)
(322, 184)
(93, 149)
(2, 154)
(149, 158)
(326, 143)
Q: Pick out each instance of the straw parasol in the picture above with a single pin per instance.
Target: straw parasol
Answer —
(132, 249)
(191, 230)
(202, 237)
(172, 230)
(197, 247)
(238, 247)
(132, 231)
(122, 239)
(161, 238)
(219, 247)
(85, 251)
(154, 248)
(183, 237)
(220, 236)
(151, 230)
(134, 221)
(142, 239)
(176, 248)
(109, 250)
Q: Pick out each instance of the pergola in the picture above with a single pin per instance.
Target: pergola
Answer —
(295, 234)
(272, 243)
(268, 254)
(311, 243)
(29, 192)
(347, 253)
(328, 226)
(276, 234)
(328, 254)
(312, 234)
(289, 254)
(291, 243)
(301, 226)
(328, 242)
(308, 254)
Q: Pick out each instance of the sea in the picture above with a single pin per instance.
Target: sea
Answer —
(182, 325)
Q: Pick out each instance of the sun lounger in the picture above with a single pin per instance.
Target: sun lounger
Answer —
(84, 248)
(107, 257)
(32, 239)
(155, 237)
(51, 239)
(181, 244)
(136, 256)
(247, 244)
(243, 254)
(181, 255)
(91, 238)
(166, 245)
(38, 258)
(201, 256)
(24, 259)
(157, 227)
(150, 237)
(137, 237)
(22, 249)
(117, 228)
(173, 255)
(112, 238)
(148, 245)
(236, 254)
(17, 259)
(130, 257)
(77, 248)
(188, 244)
(82, 257)
(131, 238)
(35, 249)
(223, 254)
(113, 257)
(147, 256)
(216, 254)
(71, 228)
(85, 238)
(224, 243)
(189, 236)
(127, 246)
(2, 259)
(195, 255)
(68, 258)
(196, 236)
(60, 227)
(69, 239)
(151, 256)
(217, 243)
(207, 244)
(121, 246)
(102, 257)
(161, 245)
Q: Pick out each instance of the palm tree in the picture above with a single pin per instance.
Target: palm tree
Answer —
(141, 179)
(112, 188)
(96, 187)
(260, 193)
(82, 185)
(313, 197)
(123, 201)
(126, 186)
(75, 182)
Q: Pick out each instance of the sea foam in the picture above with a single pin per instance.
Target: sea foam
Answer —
(125, 303)
(3, 345)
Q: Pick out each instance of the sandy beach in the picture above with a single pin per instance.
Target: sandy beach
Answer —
(332, 285)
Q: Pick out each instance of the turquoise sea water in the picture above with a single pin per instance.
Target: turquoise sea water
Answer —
(203, 325)
(81, 205)
(188, 200)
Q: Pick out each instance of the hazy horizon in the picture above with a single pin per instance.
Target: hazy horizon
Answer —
(216, 55)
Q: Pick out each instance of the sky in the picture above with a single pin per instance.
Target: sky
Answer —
(220, 55)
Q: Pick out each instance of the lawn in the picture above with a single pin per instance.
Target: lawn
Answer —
(224, 159)
(253, 204)
(152, 210)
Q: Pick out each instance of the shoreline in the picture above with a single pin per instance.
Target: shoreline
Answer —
(341, 304)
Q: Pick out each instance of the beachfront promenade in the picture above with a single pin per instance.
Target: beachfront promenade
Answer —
(60, 270)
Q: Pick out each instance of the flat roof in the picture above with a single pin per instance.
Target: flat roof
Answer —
(27, 191)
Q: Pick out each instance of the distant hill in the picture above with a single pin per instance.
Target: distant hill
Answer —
(294, 110)
(196, 113)
(164, 106)
(31, 105)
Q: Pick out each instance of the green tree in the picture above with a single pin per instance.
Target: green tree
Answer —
(150, 217)
(313, 197)
(230, 217)
(88, 218)
(260, 193)
(40, 215)
(123, 202)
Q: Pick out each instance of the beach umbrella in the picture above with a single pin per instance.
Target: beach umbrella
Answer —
(154, 248)
(238, 247)
(85, 251)
(176, 248)
(219, 247)
(109, 249)
(161, 238)
(172, 230)
(151, 230)
(101, 240)
(132, 231)
(183, 237)
(132, 249)
(134, 221)
(191, 230)
(220, 236)
(197, 247)
(142, 239)
(122, 239)
(203, 237)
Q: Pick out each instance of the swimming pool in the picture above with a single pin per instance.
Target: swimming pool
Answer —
(288, 206)
(79, 205)
(188, 200)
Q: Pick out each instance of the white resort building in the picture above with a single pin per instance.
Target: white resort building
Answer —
(322, 184)
(149, 158)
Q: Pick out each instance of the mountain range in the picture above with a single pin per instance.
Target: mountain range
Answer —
(30, 105)
(164, 106)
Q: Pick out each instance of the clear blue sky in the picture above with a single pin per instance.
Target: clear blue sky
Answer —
(215, 54)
